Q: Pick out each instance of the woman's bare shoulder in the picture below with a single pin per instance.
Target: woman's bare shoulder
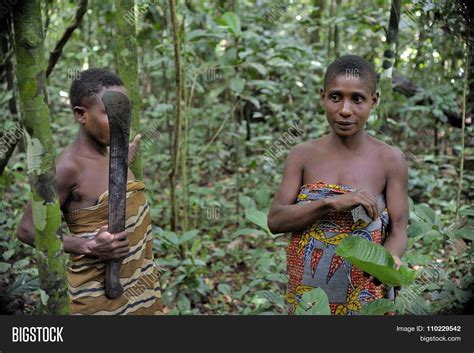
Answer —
(311, 145)
(390, 156)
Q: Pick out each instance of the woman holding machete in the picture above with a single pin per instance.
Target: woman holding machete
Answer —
(82, 173)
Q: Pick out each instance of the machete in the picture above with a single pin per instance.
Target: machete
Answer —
(118, 109)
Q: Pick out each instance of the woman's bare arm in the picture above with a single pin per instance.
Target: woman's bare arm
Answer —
(397, 203)
(285, 215)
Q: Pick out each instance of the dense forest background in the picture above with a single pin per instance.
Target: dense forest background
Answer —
(250, 75)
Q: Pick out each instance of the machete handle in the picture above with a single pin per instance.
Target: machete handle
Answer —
(113, 288)
(118, 108)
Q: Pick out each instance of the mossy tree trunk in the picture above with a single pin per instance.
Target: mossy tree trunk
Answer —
(31, 77)
(127, 67)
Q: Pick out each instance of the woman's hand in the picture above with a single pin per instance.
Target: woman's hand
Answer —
(108, 246)
(398, 262)
(133, 148)
(353, 199)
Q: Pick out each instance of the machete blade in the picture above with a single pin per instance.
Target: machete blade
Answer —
(118, 110)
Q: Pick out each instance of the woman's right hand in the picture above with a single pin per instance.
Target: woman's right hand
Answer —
(350, 200)
(108, 246)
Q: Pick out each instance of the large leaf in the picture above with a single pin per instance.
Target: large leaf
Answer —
(4, 267)
(237, 85)
(259, 218)
(466, 233)
(232, 21)
(378, 307)
(375, 260)
(314, 302)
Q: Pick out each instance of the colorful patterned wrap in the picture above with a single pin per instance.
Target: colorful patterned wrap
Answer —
(312, 261)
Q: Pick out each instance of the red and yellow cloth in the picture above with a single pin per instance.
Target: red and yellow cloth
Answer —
(312, 261)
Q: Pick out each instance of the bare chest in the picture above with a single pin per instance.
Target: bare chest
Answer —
(92, 182)
(363, 172)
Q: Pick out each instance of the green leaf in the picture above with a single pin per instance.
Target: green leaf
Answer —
(426, 213)
(189, 235)
(466, 233)
(214, 93)
(259, 67)
(431, 236)
(279, 62)
(4, 267)
(21, 264)
(224, 288)
(183, 303)
(467, 212)
(259, 218)
(171, 237)
(378, 307)
(272, 297)
(237, 85)
(7, 254)
(417, 228)
(314, 302)
(375, 260)
(44, 297)
(245, 231)
(199, 34)
(246, 202)
(232, 21)
(196, 247)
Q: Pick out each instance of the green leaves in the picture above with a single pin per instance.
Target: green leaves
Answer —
(378, 307)
(313, 302)
(231, 21)
(375, 260)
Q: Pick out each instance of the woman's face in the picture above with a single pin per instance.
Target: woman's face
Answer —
(94, 117)
(347, 101)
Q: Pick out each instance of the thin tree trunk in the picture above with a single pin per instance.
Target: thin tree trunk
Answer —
(184, 144)
(177, 127)
(31, 77)
(127, 68)
(467, 80)
(316, 17)
(389, 59)
(336, 11)
(327, 35)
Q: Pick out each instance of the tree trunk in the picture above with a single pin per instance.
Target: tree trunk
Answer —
(127, 68)
(177, 127)
(31, 78)
(327, 8)
(316, 17)
(184, 154)
(389, 59)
